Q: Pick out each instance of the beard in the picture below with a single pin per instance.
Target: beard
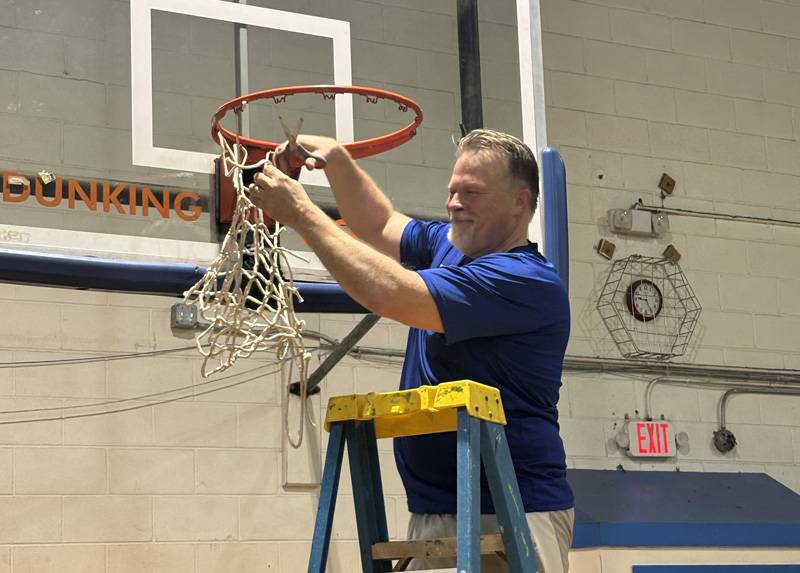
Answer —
(460, 237)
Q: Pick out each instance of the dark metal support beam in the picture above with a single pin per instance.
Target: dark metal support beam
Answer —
(343, 348)
(469, 60)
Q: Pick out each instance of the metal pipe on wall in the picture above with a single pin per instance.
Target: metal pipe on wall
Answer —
(676, 371)
(724, 439)
(587, 363)
(720, 216)
(723, 401)
(717, 384)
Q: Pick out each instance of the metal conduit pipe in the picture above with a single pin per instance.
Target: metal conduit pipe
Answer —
(708, 375)
(743, 380)
(724, 440)
(313, 334)
(336, 354)
(712, 215)
(586, 363)
(661, 369)
(595, 364)
(724, 400)
(718, 384)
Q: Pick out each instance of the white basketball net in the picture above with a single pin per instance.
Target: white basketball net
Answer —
(247, 303)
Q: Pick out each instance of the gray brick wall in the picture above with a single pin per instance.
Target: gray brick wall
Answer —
(706, 90)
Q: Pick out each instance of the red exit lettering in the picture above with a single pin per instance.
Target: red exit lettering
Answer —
(651, 439)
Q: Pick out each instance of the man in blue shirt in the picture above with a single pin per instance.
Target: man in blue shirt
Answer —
(481, 302)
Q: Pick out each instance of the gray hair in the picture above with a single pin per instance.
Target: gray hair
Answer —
(521, 161)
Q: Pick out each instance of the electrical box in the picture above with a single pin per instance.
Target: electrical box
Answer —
(660, 223)
(637, 222)
(183, 316)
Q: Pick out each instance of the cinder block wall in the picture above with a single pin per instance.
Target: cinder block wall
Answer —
(706, 91)
(101, 471)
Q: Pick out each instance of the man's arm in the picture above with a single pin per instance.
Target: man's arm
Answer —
(377, 282)
(365, 208)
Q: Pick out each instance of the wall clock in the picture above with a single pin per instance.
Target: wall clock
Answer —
(644, 299)
(648, 307)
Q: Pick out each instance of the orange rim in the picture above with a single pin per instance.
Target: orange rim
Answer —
(357, 149)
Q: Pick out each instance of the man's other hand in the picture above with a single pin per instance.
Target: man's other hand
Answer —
(326, 147)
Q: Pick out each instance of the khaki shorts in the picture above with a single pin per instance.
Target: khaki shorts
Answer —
(552, 537)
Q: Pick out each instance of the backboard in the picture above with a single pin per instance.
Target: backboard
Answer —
(106, 108)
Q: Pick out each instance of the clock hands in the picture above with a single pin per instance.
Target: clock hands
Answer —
(647, 301)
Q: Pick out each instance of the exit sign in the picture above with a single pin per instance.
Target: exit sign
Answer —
(651, 438)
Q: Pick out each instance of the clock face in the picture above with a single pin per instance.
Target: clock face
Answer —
(644, 300)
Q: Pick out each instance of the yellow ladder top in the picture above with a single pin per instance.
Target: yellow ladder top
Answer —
(423, 410)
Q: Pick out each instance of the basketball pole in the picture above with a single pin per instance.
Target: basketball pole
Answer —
(469, 62)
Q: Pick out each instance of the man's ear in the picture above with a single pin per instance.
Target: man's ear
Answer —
(523, 199)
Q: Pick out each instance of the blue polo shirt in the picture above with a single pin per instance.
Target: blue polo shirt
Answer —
(506, 321)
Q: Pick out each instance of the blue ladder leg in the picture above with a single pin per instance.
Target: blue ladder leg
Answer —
(327, 500)
(517, 539)
(362, 453)
(469, 493)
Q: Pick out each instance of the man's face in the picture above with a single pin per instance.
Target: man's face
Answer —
(484, 204)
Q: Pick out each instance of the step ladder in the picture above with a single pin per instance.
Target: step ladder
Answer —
(475, 411)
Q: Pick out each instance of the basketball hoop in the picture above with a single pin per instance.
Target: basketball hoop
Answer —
(244, 298)
(358, 149)
(257, 149)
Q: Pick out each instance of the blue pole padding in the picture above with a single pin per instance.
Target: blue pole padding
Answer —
(326, 297)
(171, 279)
(95, 273)
(556, 228)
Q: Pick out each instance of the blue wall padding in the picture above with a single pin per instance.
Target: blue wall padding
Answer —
(556, 230)
(143, 277)
(97, 273)
(326, 297)
(683, 509)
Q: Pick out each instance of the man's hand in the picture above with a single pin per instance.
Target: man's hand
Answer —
(280, 196)
(325, 147)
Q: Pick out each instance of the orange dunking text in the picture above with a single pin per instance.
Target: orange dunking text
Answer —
(104, 195)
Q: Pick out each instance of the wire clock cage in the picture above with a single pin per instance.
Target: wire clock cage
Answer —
(660, 338)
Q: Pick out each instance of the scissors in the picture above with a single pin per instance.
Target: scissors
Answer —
(294, 153)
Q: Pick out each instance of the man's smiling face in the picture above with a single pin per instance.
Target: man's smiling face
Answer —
(484, 204)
